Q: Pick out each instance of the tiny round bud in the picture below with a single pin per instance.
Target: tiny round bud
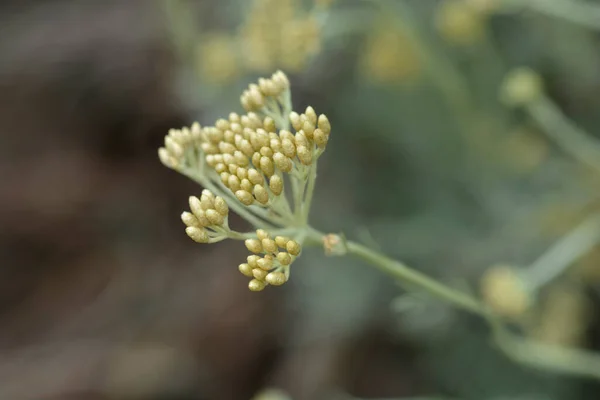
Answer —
(288, 148)
(222, 124)
(199, 235)
(266, 152)
(262, 234)
(261, 194)
(234, 117)
(269, 125)
(300, 139)
(252, 261)
(304, 155)
(267, 166)
(253, 245)
(276, 185)
(233, 182)
(221, 206)
(269, 245)
(166, 159)
(308, 129)
(283, 134)
(173, 147)
(214, 217)
(275, 278)
(207, 202)
(255, 177)
(311, 115)
(521, 86)
(220, 168)
(195, 205)
(256, 159)
(320, 138)
(244, 197)
(224, 177)
(281, 241)
(265, 263)
(256, 286)
(189, 219)
(246, 185)
(246, 148)
(240, 158)
(293, 247)
(281, 80)
(246, 270)
(284, 258)
(283, 163)
(226, 148)
(259, 274)
(295, 120)
(324, 124)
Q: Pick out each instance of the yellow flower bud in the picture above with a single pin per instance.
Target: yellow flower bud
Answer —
(266, 165)
(246, 270)
(259, 274)
(283, 163)
(269, 245)
(244, 197)
(256, 286)
(253, 245)
(275, 278)
(276, 185)
(265, 263)
(252, 261)
(255, 177)
(221, 206)
(262, 234)
(295, 121)
(214, 217)
(284, 258)
(293, 247)
(189, 219)
(281, 241)
(324, 124)
(199, 235)
(261, 194)
(304, 155)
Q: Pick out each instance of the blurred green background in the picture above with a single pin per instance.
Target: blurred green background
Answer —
(441, 155)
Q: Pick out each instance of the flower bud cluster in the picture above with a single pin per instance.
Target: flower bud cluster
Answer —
(178, 143)
(270, 263)
(207, 221)
(256, 96)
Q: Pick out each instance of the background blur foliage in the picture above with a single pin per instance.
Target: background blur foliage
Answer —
(104, 297)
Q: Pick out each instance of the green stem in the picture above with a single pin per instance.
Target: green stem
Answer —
(312, 179)
(572, 139)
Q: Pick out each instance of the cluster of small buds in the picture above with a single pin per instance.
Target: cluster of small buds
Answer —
(273, 268)
(256, 96)
(177, 142)
(207, 221)
(310, 131)
(248, 155)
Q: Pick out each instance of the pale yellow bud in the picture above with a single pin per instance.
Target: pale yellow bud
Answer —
(259, 274)
(233, 182)
(246, 185)
(166, 159)
(265, 263)
(262, 234)
(266, 152)
(281, 80)
(320, 138)
(255, 177)
(253, 245)
(173, 147)
(207, 202)
(304, 155)
(505, 292)
(295, 120)
(275, 278)
(269, 124)
(281, 241)
(521, 86)
(284, 258)
(256, 159)
(293, 247)
(189, 219)
(228, 159)
(308, 128)
(222, 124)
(276, 185)
(214, 135)
(220, 168)
(225, 147)
(246, 148)
(261, 194)
(221, 206)
(195, 205)
(324, 124)
(283, 163)
(244, 197)
(234, 117)
(246, 270)
(311, 115)
(288, 148)
(301, 139)
(252, 261)
(269, 245)
(196, 130)
(214, 217)
(199, 235)
(267, 166)
(256, 286)
(283, 135)
(210, 148)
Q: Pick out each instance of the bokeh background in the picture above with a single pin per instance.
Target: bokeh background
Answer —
(434, 159)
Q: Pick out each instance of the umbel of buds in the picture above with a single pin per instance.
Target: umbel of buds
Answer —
(270, 263)
(248, 161)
